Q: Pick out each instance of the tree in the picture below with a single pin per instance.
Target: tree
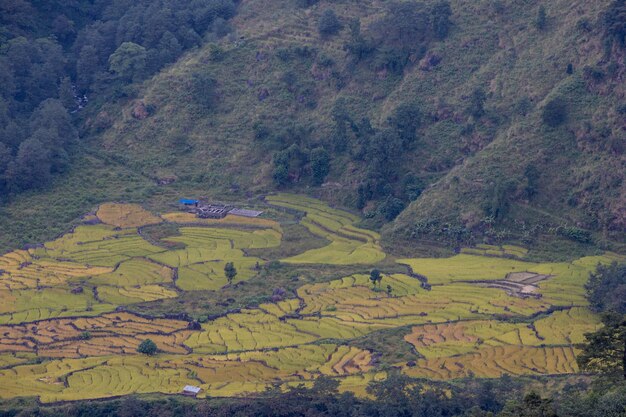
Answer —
(32, 165)
(147, 347)
(614, 23)
(391, 207)
(389, 290)
(169, 48)
(540, 20)
(532, 406)
(328, 24)
(230, 271)
(204, 89)
(66, 94)
(555, 112)
(320, 164)
(129, 61)
(605, 349)
(441, 19)
(606, 288)
(406, 119)
(375, 276)
(87, 66)
(477, 103)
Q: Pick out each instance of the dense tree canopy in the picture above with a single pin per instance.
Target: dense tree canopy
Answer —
(54, 53)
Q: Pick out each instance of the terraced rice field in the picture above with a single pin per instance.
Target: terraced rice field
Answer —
(126, 215)
(61, 338)
(349, 244)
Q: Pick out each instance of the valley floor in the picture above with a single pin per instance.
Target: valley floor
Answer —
(70, 326)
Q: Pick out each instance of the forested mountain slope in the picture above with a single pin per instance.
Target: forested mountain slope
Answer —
(495, 113)
(504, 119)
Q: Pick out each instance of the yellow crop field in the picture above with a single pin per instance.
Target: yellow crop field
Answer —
(493, 362)
(126, 215)
(64, 334)
(491, 250)
(201, 263)
(229, 220)
(465, 267)
(137, 271)
(349, 244)
(567, 327)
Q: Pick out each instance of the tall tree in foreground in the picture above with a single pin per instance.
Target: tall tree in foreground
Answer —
(605, 351)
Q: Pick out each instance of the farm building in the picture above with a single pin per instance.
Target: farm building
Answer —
(212, 211)
(245, 212)
(215, 211)
(191, 390)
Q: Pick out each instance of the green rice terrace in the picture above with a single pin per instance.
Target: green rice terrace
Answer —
(73, 311)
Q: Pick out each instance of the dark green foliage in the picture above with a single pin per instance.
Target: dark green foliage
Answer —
(230, 272)
(62, 49)
(85, 336)
(328, 24)
(375, 276)
(533, 405)
(605, 350)
(406, 119)
(204, 90)
(412, 187)
(532, 175)
(498, 201)
(441, 19)
(540, 20)
(404, 31)
(306, 3)
(555, 112)
(615, 23)
(320, 164)
(129, 62)
(391, 207)
(147, 347)
(477, 103)
(358, 47)
(606, 288)
(576, 234)
(66, 94)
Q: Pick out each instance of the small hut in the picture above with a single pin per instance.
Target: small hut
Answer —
(191, 391)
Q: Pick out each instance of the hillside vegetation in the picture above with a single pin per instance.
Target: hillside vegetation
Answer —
(455, 121)
(496, 124)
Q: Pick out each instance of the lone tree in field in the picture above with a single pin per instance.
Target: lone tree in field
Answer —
(230, 271)
(147, 347)
(389, 290)
(375, 276)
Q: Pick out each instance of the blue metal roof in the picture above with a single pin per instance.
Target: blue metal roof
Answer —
(187, 201)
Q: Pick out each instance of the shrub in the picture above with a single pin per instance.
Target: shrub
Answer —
(320, 164)
(204, 89)
(391, 207)
(441, 19)
(576, 234)
(540, 20)
(477, 103)
(328, 24)
(147, 347)
(554, 113)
